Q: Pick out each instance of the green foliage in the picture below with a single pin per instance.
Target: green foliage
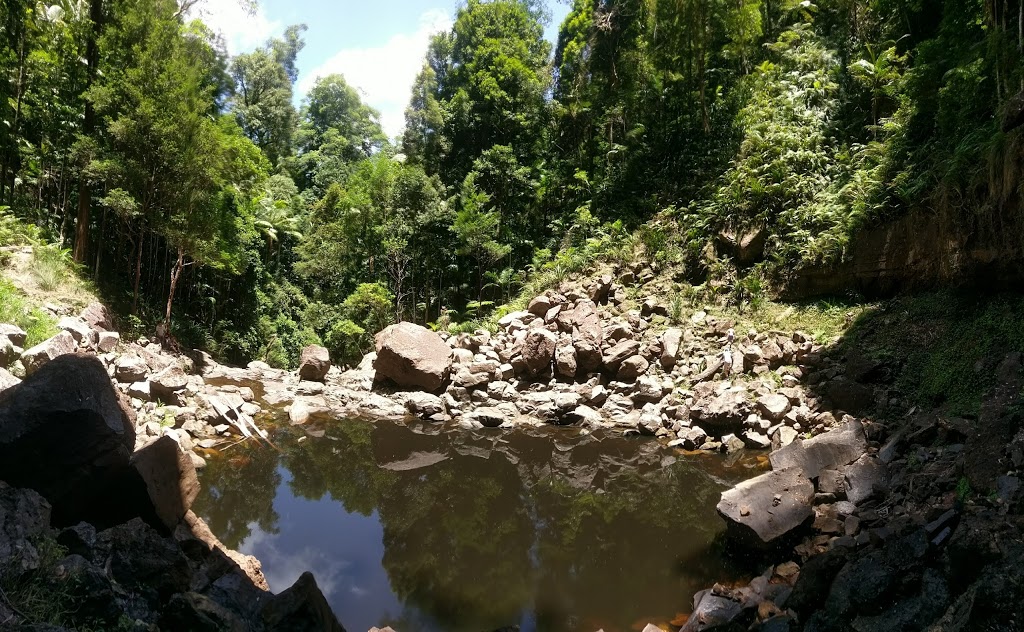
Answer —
(38, 324)
(963, 489)
(51, 266)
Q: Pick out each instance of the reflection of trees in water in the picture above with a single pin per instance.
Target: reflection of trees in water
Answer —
(472, 542)
(238, 491)
(341, 464)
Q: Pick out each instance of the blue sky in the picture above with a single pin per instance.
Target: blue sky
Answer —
(377, 44)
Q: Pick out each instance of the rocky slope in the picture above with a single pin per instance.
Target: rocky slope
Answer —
(863, 521)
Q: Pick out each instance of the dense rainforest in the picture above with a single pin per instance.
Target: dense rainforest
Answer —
(187, 183)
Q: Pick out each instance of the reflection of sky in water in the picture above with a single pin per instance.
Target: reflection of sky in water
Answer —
(347, 567)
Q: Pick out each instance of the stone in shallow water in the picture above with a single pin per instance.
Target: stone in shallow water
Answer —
(415, 461)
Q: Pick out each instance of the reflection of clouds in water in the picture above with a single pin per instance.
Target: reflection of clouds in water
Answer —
(343, 551)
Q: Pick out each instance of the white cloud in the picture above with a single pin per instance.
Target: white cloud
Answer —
(242, 32)
(384, 74)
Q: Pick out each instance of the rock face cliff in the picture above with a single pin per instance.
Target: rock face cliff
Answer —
(925, 249)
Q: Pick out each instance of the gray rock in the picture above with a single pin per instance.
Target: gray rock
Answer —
(774, 406)
(828, 451)
(712, 612)
(632, 368)
(424, 404)
(540, 305)
(539, 350)
(13, 333)
(301, 608)
(97, 317)
(167, 384)
(9, 352)
(488, 417)
(670, 342)
(864, 477)
(756, 440)
(314, 363)
(170, 479)
(7, 380)
(693, 438)
(107, 341)
(617, 354)
(141, 391)
(783, 436)
(565, 360)
(78, 328)
(412, 357)
(723, 411)
(130, 368)
(762, 510)
(61, 344)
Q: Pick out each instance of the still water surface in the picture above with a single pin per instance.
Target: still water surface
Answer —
(426, 527)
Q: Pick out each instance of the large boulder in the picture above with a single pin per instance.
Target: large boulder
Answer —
(67, 433)
(721, 411)
(301, 608)
(314, 363)
(670, 343)
(828, 451)
(412, 357)
(170, 479)
(168, 384)
(61, 344)
(539, 350)
(587, 336)
(765, 509)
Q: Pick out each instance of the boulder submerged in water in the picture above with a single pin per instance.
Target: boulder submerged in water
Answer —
(412, 357)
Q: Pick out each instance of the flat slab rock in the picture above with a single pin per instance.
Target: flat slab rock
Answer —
(829, 451)
(762, 510)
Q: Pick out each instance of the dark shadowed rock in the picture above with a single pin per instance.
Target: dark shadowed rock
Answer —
(24, 517)
(139, 558)
(850, 396)
(314, 363)
(170, 479)
(828, 451)
(412, 356)
(763, 510)
(301, 608)
(198, 613)
(67, 433)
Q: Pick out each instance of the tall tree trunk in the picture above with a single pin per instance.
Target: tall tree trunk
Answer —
(179, 265)
(81, 250)
(138, 269)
